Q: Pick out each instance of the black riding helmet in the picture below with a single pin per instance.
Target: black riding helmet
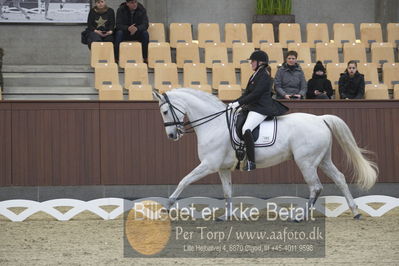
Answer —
(259, 56)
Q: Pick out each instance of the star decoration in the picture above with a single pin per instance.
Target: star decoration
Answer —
(101, 22)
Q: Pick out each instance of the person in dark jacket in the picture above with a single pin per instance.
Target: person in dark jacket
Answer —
(132, 25)
(319, 87)
(100, 23)
(290, 82)
(257, 99)
(351, 83)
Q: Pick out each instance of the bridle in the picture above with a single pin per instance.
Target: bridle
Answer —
(180, 125)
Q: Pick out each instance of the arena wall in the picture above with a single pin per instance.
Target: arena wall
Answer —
(124, 143)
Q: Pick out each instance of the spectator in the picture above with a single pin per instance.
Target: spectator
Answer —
(351, 83)
(132, 25)
(290, 82)
(100, 23)
(319, 87)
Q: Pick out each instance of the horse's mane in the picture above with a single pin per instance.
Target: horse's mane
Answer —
(207, 97)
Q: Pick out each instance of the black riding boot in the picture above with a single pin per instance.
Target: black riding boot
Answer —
(250, 146)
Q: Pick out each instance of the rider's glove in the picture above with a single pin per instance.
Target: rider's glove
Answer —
(234, 105)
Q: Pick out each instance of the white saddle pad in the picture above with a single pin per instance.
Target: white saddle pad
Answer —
(267, 134)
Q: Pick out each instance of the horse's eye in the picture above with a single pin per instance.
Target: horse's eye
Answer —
(165, 112)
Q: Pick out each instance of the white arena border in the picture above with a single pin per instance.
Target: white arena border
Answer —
(79, 206)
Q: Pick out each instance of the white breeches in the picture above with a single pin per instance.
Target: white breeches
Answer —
(253, 120)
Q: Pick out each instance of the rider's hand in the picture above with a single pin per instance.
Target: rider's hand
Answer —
(233, 105)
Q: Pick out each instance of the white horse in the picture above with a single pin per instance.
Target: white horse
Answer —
(306, 138)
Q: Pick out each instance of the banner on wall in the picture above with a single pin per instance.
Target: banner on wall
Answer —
(44, 11)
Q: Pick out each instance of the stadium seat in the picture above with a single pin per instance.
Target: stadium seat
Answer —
(370, 72)
(370, 33)
(382, 53)
(110, 93)
(241, 53)
(317, 33)
(344, 33)
(156, 32)
(158, 53)
(130, 52)
(390, 74)
(376, 92)
(235, 33)
(393, 33)
(327, 53)
(334, 71)
(136, 74)
(102, 53)
(223, 74)
(289, 33)
(307, 69)
(262, 33)
(229, 92)
(140, 93)
(208, 33)
(303, 51)
(106, 74)
(187, 53)
(274, 51)
(215, 53)
(245, 73)
(165, 77)
(355, 51)
(396, 92)
(195, 77)
(180, 33)
(274, 67)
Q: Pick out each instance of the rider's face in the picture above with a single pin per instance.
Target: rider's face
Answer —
(254, 65)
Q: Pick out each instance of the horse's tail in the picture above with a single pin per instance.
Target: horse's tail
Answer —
(365, 172)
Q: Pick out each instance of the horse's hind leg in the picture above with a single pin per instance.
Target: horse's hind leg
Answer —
(312, 179)
(328, 167)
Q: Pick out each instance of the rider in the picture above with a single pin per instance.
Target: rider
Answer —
(257, 99)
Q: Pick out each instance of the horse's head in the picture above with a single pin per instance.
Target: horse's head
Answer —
(172, 115)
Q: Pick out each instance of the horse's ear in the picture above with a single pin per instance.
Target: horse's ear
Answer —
(158, 96)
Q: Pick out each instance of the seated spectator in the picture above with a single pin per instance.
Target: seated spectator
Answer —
(132, 25)
(319, 87)
(351, 83)
(100, 23)
(290, 82)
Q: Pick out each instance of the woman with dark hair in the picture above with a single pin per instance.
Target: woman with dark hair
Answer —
(100, 23)
(351, 83)
(319, 87)
(290, 82)
(257, 101)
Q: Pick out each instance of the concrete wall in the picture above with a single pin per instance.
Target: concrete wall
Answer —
(52, 44)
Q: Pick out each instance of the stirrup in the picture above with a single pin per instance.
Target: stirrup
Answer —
(250, 166)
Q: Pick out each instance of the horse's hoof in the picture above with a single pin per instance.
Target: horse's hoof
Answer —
(357, 216)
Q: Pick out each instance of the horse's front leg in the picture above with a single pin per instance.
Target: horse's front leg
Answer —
(225, 177)
(199, 172)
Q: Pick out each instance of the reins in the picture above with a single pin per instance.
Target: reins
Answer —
(176, 122)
